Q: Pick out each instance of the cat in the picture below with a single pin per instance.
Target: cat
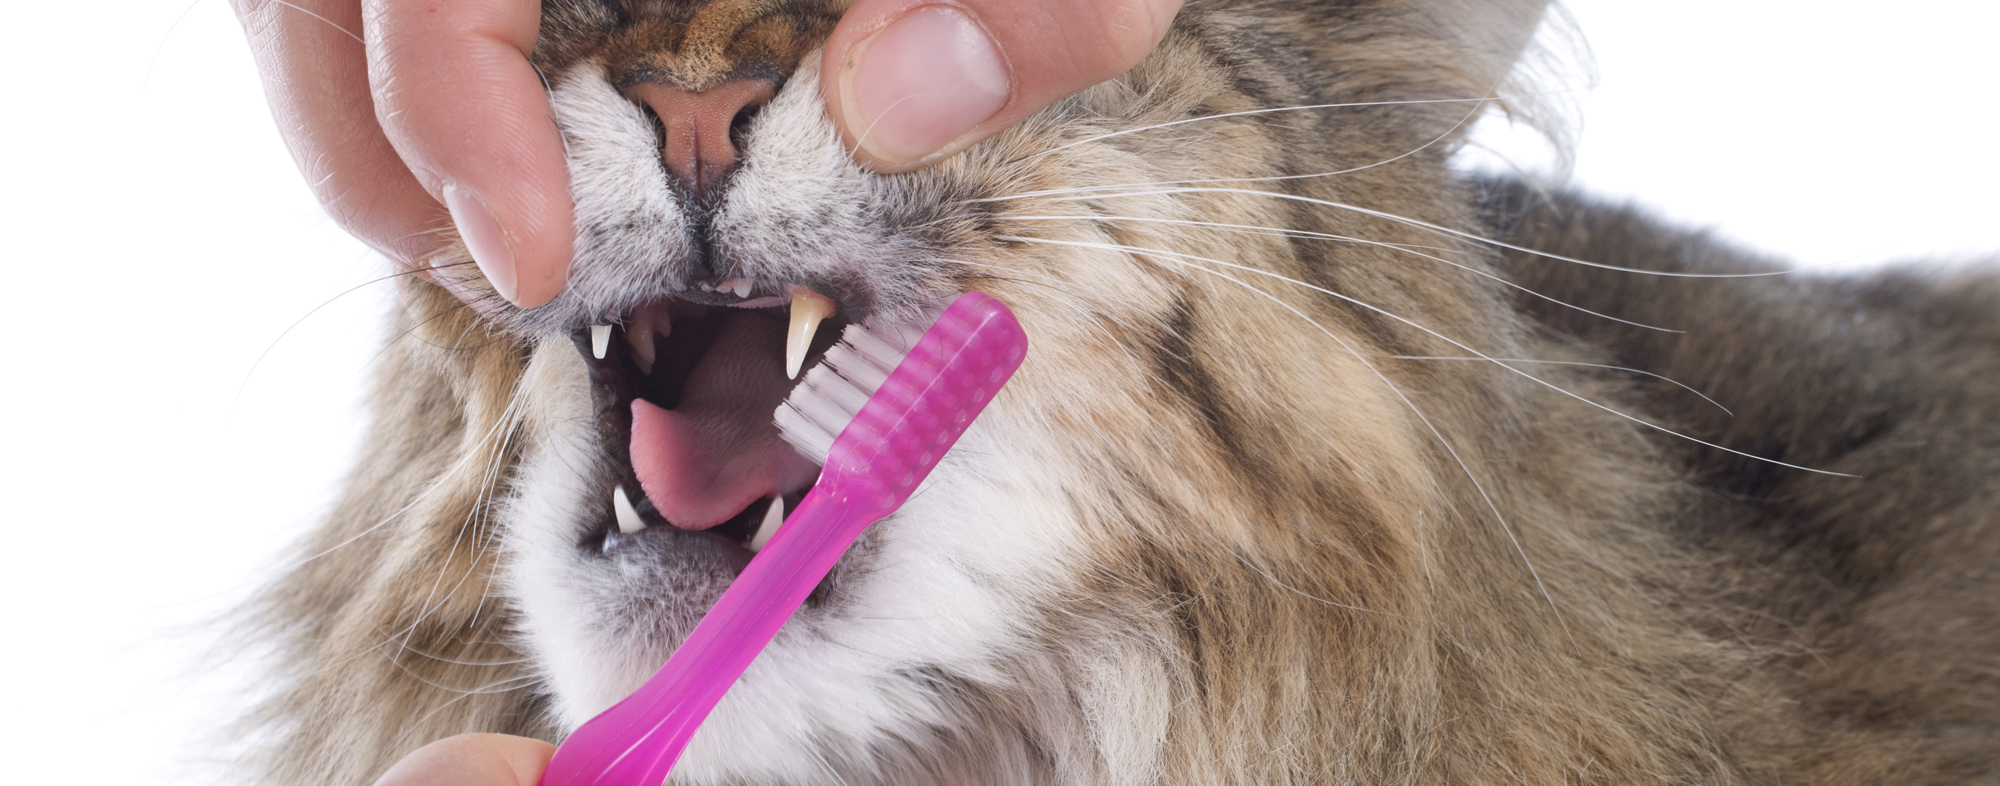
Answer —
(1328, 464)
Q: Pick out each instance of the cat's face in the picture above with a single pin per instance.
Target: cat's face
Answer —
(1194, 409)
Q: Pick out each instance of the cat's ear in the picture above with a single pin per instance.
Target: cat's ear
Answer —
(1489, 36)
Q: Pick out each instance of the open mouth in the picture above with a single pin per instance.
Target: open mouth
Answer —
(684, 389)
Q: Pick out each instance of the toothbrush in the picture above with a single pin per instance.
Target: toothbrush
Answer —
(878, 418)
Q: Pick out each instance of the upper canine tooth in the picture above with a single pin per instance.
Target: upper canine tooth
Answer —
(628, 517)
(808, 309)
(774, 516)
(600, 340)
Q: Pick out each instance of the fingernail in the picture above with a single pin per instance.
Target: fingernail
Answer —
(484, 238)
(923, 81)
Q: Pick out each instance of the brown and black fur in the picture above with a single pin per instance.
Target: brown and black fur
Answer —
(1313, 556)
(1879, 592)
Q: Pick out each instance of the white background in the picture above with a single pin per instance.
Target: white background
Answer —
(160, 243)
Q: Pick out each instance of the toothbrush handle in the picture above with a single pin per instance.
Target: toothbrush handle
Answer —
(616, 747)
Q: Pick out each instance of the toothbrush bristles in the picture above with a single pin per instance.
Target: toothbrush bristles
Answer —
(834, 391)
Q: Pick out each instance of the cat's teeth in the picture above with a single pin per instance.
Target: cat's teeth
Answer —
(739, 287)
(600, 340)
(773, 517)
(628, 517)
(809, 308)
(640, 336)
(647, 325)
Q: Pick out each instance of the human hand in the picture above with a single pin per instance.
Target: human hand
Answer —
(473, 760)
(403, 115)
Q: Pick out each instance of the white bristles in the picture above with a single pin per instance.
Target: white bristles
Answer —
(834, 391)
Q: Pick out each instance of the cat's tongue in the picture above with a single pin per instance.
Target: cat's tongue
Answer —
(707, 459)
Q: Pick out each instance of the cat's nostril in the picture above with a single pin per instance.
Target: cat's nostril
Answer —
(701, 128)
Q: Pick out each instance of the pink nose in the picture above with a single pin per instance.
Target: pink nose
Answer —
(698, 150)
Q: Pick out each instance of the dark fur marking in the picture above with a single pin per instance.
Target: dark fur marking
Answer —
(1176, 362)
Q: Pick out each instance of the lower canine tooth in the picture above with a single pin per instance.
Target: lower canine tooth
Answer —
(774, 516)
(640, 335)
(628, 518)
(600, 340)
(647, 325)
(809, 308)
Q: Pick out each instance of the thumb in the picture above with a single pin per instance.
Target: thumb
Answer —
(909, 82)
(473, 760)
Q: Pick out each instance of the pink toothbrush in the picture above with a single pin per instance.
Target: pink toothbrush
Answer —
(894, 421)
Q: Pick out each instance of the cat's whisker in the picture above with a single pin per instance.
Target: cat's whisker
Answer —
(1269, 179)
(1248, 229)
(458, 662)
(1404, 248)
(482, 503)
(1432, 228)
(435, 484)
(507, 420)
(1063, 290)
(1271, 110)
(1171, 256)
(247, 375)
(1642, 372)
(329, 22)
(491, 687)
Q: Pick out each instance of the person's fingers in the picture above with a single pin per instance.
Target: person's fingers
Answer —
(316, 77)
(473, 760)
(459, 101)
(912, 81)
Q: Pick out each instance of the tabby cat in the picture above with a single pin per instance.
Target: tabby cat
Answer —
(1327, 464)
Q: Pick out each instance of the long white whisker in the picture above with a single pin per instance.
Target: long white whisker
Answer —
(1405, 248)
(491, 687)
(1415, 223)
(1662, 378)
(436, 484)
(1432, 333)
(1183, 121)
(247, 375)
(1268, 179)
(489, 478)
(329, 22)
(1095, 320)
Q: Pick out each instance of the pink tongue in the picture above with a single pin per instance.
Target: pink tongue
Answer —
(706, 460)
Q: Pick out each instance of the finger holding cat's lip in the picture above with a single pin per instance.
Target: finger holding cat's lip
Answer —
(910, 82)
(458, 100)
